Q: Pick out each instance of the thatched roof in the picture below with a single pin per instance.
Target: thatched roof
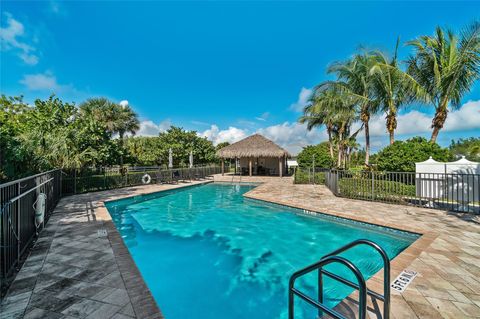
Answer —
(253, 146)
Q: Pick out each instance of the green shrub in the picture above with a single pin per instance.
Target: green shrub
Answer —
(401, 156)
(357, 187)
(321, 154)
(303, 177)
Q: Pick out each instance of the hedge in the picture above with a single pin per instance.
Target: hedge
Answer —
(304, 177)
(362, 188)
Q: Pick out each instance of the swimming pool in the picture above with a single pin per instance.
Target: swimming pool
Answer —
(208, 252)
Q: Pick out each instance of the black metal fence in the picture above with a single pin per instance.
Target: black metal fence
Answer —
(455, 192)
(97, 179)
(18, 200)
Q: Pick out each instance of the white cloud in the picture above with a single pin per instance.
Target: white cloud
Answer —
(123, 103)
(41, 82)
(149, 128)
(293, 136)
(10, 40)
(263, 117)
(302, 101)
(231, 135)
(467, 117)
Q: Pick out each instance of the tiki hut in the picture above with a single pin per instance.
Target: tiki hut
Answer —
(256, 155)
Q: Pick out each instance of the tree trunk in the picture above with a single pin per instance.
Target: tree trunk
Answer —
(439, 120)
(330, 143)
(365, 117)
(121, 149)
(392, 124)
(340, 146)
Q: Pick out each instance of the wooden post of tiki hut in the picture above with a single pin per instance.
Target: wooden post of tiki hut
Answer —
(270, 158)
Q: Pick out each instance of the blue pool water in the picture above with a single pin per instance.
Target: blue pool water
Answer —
(208, 252)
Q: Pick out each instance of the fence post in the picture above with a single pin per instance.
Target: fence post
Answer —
(75, 181)
(373, 185)
(18, 224)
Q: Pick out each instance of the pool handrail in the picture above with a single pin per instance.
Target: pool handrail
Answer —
(386, 278)
(292, 291)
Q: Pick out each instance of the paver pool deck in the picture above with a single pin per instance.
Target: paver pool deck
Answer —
(74, 271)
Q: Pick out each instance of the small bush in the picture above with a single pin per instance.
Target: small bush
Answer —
(362, 188)
(321, 154)
(401, 156)
(303, 177)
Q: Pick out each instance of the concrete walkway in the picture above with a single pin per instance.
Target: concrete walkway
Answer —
(75, 271)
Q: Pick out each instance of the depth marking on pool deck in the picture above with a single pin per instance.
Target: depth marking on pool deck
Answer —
(403, 280)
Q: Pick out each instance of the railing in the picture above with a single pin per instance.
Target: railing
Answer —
(361, 286)
(17, 219)
(18, 200)
(97, 179)
(449, 191)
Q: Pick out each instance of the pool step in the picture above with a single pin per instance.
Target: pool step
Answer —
(360, 286)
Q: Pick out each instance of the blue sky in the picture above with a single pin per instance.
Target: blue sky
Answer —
(225, 69)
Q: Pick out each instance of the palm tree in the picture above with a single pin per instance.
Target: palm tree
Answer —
(336, 111)
(356, 81)
(446, 65)
(321, 110)
(393, 88)
(117, 119)
(127, 122)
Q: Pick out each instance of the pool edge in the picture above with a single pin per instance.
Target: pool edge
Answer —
(397, 264)
(375, 283)
(142, 300)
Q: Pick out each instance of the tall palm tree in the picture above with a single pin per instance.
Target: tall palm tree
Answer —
(127, 122)
(356, 81)
(321, 110)
(446, 65)
(393, 88)
(336, 111)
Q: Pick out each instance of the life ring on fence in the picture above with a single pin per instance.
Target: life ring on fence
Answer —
(146, 179)
(39, 207)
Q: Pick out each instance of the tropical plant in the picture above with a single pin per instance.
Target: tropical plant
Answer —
(317, 155)
(154, 150)
(401, 156)
(393, 88)
(446, 65)
(355, 80)
(328, 106)
(468, 147)
(116, 119)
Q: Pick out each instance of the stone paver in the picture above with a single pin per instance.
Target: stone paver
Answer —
(73, 272)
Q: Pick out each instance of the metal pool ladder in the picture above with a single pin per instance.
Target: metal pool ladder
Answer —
(360, 286)
(233, 177)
